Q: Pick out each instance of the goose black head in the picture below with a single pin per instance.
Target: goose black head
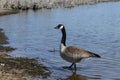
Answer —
(59, 26)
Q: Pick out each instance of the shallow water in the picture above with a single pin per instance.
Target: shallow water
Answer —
(93, 27)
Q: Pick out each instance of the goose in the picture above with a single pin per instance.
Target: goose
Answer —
(72, 54)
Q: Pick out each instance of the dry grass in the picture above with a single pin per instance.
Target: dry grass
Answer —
(38, 4)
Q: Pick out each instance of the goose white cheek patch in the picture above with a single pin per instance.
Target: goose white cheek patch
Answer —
(61, 27)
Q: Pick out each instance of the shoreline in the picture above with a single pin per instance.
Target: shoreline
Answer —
(18, 68)
(21, 68)
(46, 4)
(8, 11)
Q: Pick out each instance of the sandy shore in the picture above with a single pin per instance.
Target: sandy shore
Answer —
(7, 11)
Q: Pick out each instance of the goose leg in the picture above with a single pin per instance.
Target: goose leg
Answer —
(71, 65)
(75, 66)
(68, 67)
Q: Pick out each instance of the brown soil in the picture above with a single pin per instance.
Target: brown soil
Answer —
(18, 68)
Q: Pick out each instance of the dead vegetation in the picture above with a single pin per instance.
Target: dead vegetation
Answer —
(22, 67)
(48, 4)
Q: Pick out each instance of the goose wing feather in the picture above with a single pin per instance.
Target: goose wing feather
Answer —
(77, 52)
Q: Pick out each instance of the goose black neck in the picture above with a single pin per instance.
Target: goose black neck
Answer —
(63, 40)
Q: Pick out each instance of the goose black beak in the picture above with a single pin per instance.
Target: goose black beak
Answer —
(56, 27)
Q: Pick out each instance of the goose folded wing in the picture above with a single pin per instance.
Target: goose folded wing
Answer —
(78, 52)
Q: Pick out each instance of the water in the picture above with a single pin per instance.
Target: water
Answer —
(93, 27)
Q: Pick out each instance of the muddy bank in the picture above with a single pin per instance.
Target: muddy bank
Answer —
(48, 4)
(7, 11)
(3, 41)
(18, 68)
(3, 38)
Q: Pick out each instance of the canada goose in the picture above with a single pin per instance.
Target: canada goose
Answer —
(72, 54)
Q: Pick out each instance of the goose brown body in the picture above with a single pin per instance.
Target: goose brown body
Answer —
(75, 54)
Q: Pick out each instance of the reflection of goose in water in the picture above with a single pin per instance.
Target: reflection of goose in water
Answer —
(75, 76)
(72, 54)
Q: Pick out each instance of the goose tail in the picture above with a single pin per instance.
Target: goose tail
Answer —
(96, 55)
